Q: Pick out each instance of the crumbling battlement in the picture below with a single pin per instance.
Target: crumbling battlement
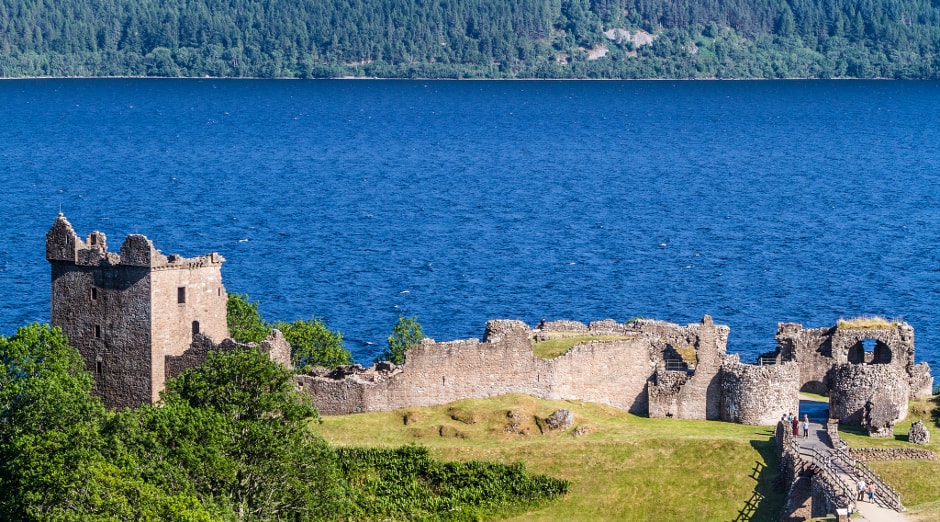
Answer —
(758, 394)
(139, 317)
(614, 371)
(127, 313)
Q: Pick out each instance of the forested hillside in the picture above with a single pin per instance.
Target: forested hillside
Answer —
(472, 38)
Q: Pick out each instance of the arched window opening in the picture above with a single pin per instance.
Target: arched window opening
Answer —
(856, 353)
(195, 327)
(881, 353)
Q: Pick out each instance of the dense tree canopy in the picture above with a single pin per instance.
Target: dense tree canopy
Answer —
(472, 38)
(312, 343)
(229, 441)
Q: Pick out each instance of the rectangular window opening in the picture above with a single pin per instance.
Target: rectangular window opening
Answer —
(98, 367)
(94, 294)
(97, 331)
(181, 295)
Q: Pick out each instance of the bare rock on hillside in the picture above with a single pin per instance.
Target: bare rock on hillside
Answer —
(560, 420)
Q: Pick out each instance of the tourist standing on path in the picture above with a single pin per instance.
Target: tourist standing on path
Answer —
(805, 425)
(796, 427)
(861, 486)
(871, 491)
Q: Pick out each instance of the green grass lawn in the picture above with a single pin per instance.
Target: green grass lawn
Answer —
(917, 482)
(625, 468)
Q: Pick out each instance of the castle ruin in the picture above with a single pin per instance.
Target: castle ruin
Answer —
(139, 317)
(129, 313)
(650, 367)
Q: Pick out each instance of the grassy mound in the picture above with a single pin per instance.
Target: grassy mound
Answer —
(620, 466)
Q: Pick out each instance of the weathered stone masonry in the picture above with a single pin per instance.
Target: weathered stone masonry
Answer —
(127, 312)
(629, 372)
(139, 317)
(865, 388)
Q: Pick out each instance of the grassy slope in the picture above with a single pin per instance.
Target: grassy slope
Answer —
(556, 347)
(627, 468)
(917, 482)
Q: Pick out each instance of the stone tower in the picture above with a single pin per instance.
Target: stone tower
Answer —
(127, 312)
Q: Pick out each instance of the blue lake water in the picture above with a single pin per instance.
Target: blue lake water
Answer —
(459, 202)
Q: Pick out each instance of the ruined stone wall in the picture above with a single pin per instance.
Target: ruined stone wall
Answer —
(697, 394)
(187, 298)
(445, 372)
(873, 396)
(817, 350)
(195, 355)
(891, 454)
(893, 346)
(665, 393)
(197, 282)
(758, 395)
(607, 372)
(275, 346)
(103, 309)
(921, 381)
(811, 348)
(613, 372)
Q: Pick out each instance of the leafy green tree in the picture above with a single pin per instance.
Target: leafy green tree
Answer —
(234, 433)
(48, 422)
(51, 461)
(245, 323)
(405, 334)
(313, 344)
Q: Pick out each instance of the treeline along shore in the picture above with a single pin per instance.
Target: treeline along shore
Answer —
(472, 38)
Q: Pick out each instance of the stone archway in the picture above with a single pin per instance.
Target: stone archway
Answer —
(869, 350)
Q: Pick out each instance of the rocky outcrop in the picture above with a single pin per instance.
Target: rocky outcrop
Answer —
(560, 420)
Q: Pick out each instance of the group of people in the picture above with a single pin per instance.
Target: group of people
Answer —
(795, 422)
(864, 488)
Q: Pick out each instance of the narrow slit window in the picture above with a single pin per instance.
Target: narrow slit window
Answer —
(97, 331)
(94, 294)
(195, 327)
(98, 367)
(181, 295)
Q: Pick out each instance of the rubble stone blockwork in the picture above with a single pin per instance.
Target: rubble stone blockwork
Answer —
(128, 313)
(874, 397)
(869, 388)
(649, 367)
(758, 395)
(139, 317)
(918, 434)
(614, 372)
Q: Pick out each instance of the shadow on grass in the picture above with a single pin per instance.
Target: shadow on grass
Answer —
(935, 410)
(765, 502)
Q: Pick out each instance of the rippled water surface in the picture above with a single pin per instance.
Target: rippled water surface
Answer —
(755, 202)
